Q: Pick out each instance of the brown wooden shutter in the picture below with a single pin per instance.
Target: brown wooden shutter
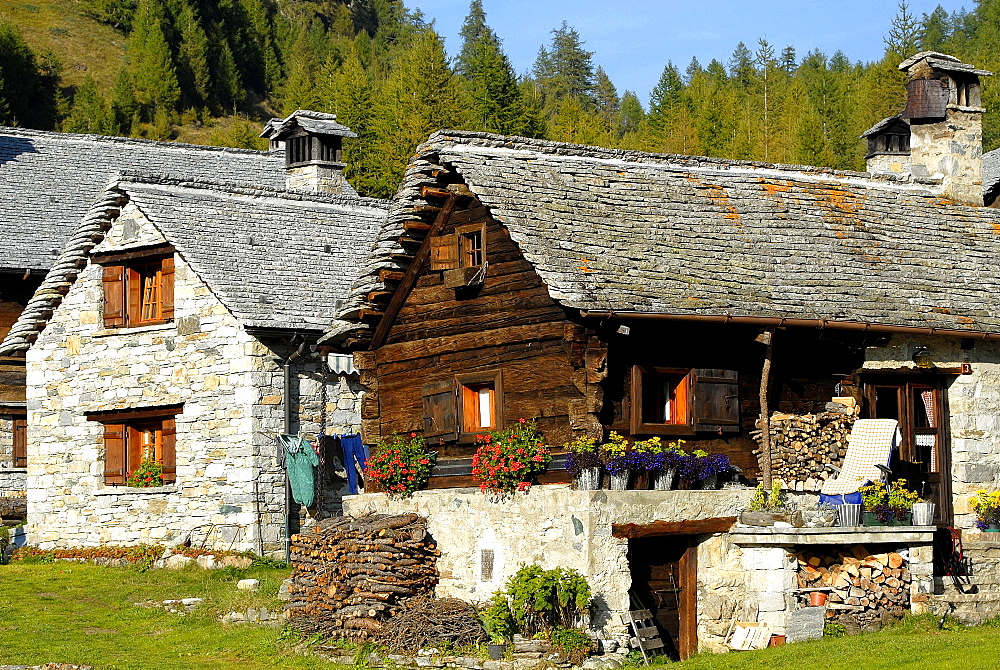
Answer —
(167, 289)
(444, 252)
(114, 453)
(20, 443)
(717, 400)
(169, 447)
(133, 286)
(926, 99)
(440, 415)
(114, 296)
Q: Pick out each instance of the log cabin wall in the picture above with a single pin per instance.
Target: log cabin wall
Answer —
(807, 367)
(550, 367)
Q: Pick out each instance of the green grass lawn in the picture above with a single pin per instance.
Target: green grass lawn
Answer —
(85, 614)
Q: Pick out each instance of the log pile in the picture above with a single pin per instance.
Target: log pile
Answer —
(351, 574)
(865, 589)
(803, 444)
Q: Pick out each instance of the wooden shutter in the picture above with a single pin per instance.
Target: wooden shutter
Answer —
(444, 252)
(926, 99)
(20, 443)
(167, 289)
(440, 415)
(133, 286)
(716, 400)
(114, 453)
(114, 296)
(169, 451)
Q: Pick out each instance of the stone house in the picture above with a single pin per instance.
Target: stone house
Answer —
(599, 290)
(178, 325)
(50, 182)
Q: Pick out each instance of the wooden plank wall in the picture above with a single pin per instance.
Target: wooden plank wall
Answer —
(551, 367)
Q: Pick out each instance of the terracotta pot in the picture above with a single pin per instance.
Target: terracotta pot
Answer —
(817, 598)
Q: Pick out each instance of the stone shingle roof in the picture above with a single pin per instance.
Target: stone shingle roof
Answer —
(681, 235)
(277, 260)
(50, 180)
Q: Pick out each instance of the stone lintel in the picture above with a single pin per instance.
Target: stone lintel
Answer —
(910, 535)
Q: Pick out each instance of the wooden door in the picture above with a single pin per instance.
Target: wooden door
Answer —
(664, 581)
(923, 457)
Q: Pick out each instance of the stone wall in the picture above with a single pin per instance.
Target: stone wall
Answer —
(230, 488)
(554, 525)
(951, 150)
(974, 406)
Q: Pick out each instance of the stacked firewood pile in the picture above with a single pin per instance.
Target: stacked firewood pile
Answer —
(351, 574)
(864, 588)
(803, 444)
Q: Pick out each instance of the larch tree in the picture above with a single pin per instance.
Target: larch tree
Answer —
(89, 112)
(151, 64)
(193, 72)
(606, 97)
(565, 69)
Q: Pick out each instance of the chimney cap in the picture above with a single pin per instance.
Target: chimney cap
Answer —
(315, 123)
(944, 62)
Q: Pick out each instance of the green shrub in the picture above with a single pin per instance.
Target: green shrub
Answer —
(537, 600)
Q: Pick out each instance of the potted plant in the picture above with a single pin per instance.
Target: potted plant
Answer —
(923, 513)
(987, 509)
(887, 508)
(584, 461)
(498, 624)
(507, 460)
(661, 460)
(766, 507)
(148, 474)
(701, 469)
(400, 465)
(617, 461)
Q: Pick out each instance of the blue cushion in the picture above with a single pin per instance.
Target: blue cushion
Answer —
(846, 498)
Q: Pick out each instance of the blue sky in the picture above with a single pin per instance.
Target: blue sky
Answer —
(634, 39)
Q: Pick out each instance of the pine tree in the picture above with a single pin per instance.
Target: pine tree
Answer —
(566, 69)
(193, 74)
(631, 115)
(260, 31)
(299, 90)
(228, 91)
(935, 29)
(606, 96)
(150, 62)
(89, 113)
(665, 102)
(124, 109)
(494, 94)
(29, 94)
(903, 37)
(741, 67)
(787, 61)
(693, 68)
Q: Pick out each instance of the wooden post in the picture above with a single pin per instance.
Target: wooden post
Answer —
(767, 337)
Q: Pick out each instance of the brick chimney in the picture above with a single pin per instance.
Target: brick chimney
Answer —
(945, 113)
(312, 144)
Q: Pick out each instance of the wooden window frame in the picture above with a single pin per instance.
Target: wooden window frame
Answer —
(471, 245)
(138, 288)
(467, 407)
(125, 433)
(19, 453)
(640, 376)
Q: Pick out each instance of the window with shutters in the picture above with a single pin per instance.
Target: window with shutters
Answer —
(462, 407)
(682, 401)
(465, 248)
(135, 436)
(139, 292)
(20, 452)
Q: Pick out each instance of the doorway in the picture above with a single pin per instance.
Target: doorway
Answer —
(664, 581)
(923, 458)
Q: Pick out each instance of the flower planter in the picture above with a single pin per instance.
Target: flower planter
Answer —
(872, 520)
(817, 598)
(710, 483)
(992, 528)
(589, 479)
(923, 514)
(849, 514)
(663, 480)
(619, 482)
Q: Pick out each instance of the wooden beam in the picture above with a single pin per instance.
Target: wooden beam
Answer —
(426, 209)
(412, 271)
(390, 275)
(433, 192)
(375, 296)
(416, 226)
(633, 531)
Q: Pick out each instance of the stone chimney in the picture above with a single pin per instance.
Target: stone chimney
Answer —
(944, 109)
(312, 144)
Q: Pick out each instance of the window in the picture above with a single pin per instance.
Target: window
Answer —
(20, 452)
(680, 401)
(471, 251)
(139, 292)
(464, 406)
(131, 437)
(465, 248)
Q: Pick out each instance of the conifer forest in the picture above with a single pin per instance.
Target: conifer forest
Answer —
(223, 67)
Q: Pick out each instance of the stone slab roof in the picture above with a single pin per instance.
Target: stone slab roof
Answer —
(50, 180)
(682, 235)
(318, 123)
(276, 259)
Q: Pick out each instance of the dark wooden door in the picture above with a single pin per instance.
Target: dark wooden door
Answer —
(923, 457)
(664, 581)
